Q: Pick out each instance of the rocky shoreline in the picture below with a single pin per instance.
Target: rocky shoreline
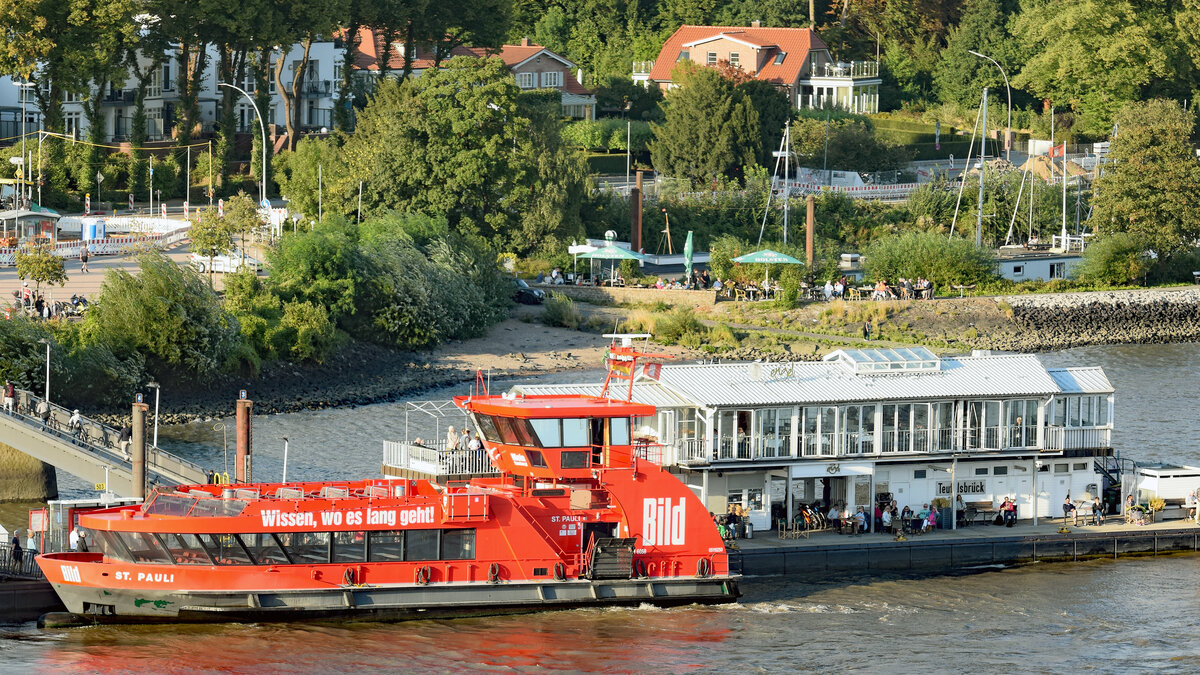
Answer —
(1061, 321)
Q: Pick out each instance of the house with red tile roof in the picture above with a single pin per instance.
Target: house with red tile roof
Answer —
(794, 59)
(533, 66)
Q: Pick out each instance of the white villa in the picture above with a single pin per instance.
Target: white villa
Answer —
(870, 424)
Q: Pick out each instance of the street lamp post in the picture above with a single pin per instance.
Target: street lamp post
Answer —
(24, 86)
(262, 128)
(47, 343)
(157, 389)
(1008, 90)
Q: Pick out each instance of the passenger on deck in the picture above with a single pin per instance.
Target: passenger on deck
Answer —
(451, 438)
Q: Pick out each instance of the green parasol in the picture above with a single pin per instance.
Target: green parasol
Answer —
(687, 257)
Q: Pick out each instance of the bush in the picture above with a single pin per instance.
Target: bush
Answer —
(1116, 258)
(931, 255)
(722, 335)
(672, 328)
(560, 310)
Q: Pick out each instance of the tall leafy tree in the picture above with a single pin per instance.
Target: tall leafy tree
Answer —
(1151, 186)
(774, 111)
(1097, 56)
(300, 21)
(960, 74)
(710, 129)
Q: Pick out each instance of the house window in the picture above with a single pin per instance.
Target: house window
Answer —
(735, 59)
(71, 122)
(552, 79)
(712, 59)
(1058, 270)
(1060, 468)
(526, 80)
(337, 73)
(683, 56)
(1018, 270)
(167, 84)
(779, 58)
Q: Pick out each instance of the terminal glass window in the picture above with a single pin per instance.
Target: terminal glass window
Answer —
(264, 549)
(943, 425)
(349, 547)
(458, 544)
(422, 545)
(387, 546)
(225, 549)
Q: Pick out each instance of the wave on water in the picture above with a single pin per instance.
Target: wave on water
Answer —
(797, 608)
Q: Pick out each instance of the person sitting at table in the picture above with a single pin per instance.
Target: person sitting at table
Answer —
(1009, 510)
(705, 281)
(839, 289)
(847, 519)
(541, 277)
(881, 290)
(860, 521)
(922, 517)
(835, 517)
(717, 285)
(886, 519)
(828, 289)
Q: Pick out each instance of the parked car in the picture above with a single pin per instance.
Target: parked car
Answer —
(525, 294)
(226, 262)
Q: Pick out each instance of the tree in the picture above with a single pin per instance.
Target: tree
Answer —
(1097, 56)
(1119, 258)
(1151, 185)
(961, 75)
(774, 110)
(709, 130)
(40, 265)
(210, 236)
(297, 173)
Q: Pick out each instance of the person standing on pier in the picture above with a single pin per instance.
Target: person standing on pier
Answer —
(10, 394)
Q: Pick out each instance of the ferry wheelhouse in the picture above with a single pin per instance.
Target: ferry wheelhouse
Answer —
(579, 513)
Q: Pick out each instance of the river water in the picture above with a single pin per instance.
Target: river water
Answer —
(1129, 615)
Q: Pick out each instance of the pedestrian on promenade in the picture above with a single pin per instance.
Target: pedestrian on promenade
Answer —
(43, 412)
(867, 330)
(9, 395)
(75, 424)
(16, 551)
(123, 439)
(83, 258)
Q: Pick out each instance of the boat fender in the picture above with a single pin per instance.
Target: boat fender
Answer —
(423, 575)
(348, 577)
(703, 567)
(560, 571)
(494, 573)
(640, 566)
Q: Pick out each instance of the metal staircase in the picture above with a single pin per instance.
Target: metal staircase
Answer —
(91, 453)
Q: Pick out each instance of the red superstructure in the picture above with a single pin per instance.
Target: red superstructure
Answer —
(580, 514)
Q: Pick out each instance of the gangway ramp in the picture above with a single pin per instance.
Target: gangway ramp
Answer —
(92, 455)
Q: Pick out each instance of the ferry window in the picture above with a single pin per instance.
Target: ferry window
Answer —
(225, 549)
(458, 544)
(1079, 466)
(516, 432)
(386, 547)
(618, 431)
(349, 547)
(422, 545)
(575, 433)
(219, 507)
(263, 548)
(999, 470)
(549, 432)
(185, 549)
(144, 547)
(171, 505)
(575, 459)
(536, 458)
(111, 545)
(487, 425)
(306, 547)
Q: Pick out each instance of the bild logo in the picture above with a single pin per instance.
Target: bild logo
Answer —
(663, 523)
(71, 573)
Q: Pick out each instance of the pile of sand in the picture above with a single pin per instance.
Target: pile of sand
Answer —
(1045, 168)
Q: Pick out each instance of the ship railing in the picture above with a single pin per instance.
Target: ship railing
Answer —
(434, 460)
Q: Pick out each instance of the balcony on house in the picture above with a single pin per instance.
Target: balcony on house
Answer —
(853, 70)
(316, 119)
(119, 97)
(316, 88)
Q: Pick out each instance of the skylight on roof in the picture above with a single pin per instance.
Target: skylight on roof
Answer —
(779, 58)
(884, 361)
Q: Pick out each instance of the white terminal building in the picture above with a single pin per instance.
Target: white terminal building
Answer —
(868, 424)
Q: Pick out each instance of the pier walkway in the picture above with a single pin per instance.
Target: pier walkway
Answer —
(828, 553)
(92, 454)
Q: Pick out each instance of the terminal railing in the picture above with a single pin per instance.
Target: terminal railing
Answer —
(25, 569)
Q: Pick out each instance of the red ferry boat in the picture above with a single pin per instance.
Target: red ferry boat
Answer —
(579, 515)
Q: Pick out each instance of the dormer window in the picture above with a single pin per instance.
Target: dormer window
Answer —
(779, 58)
